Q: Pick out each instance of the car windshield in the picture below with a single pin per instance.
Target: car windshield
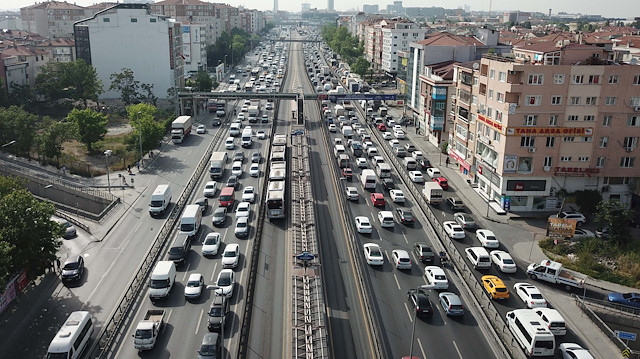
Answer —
(218, 213)
(241, 224)
(57, 355)
(224, 280)
(71, 266)
(159, 283)
(207, 350)
(229, 254)
(176, 251)
(210, 240)
(375, 253)
(143, 334)
(215, 312)
(193, 283)
(156, 203)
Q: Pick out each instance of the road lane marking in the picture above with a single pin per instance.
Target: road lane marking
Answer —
(406, 307)
(405, 238)
(199, 321)
(458, 350)
(422, 349)
(213, 273)
(397, 283)
(186, 272)
(168, 316)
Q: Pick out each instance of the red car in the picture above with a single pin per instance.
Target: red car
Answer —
(442, 182)
(347, 173)
(382, 127)
(378, 199)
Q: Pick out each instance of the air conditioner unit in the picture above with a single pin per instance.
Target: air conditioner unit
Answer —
(512, 72)
(636, 109)
(532, 149)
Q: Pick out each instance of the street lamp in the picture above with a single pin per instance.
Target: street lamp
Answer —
(7, 144)
(225, 64)
(140, 134)
(108, 153)
(415, 319)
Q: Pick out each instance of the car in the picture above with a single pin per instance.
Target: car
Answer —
(363, 225)
(210, 189)
(387, 135)
(378, 199)
(397, 196)
(217, 314)
(464, 220)
(231, 256)
(194, 286)
(203, 203)
(451, 304)
(433, 172)
(442, 182)
(216, 122)
(409, 147)
(361, 162)
(388, 184)
(241, 116)
(238, 156)
(394, 143)
(401, 259)
(399, 134)
(254, 170)
(417, 155)
(487, 238)
(249, 194)
(69, 229)
(495, 287)
(423, 252)
(347, 173)
(243, 209)
(332, 128)
(530, 295)
(397, 128)
(211, 244)
(573, 351)
(504, 261)
(337, 141)
(201, 129)
(261, 135)
(628, 299)
(226, 282)
(236, 169)
(405, 216)
(263, 119)
(419, 300)
(454, 230)
(436, 277)
(583, 234)
(256, 157)
(211, 347)
(367, 144)
(232, 181)
(579, 217)
(382, 127)
(242, 226)
(244, 108)
(373, 254)
(416, 176)
(73, 268)
(230, 143)
(424, 164)
(352, 194)
(268, 106)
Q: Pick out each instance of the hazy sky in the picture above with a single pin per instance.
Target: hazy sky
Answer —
(617, 8)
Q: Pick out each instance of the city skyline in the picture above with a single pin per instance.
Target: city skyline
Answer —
(625, 9)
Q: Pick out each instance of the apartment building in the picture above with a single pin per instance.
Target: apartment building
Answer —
(396, 36)
(62, 50)
(53, 19)
(194, 48)
(554, 117)
(21, 65)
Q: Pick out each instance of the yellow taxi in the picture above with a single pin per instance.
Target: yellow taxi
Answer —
(495, 287)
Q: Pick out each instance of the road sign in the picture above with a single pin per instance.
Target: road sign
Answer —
(625, 335)
(305, 256)
(626, 353)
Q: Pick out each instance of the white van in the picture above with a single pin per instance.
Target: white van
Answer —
(553, 320)
(479, 257)
(160, 200)
(386, 219)
(230, 143)
(234, 129)
(162, 279)
(339, 150)
(372, 151)
(410, 163)
(377, 159)
(535, 338)
(347, 131)
(246, 140)
(190, 220)
(72, 338)
(383, 170)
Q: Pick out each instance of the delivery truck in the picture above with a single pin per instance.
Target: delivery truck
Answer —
(180, 128)
(148, 329)
(368, 179)
(432, 193)
(160, 200)
(217, 164)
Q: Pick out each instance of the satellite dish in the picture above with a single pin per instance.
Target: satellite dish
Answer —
(633, 61)
(476, 66)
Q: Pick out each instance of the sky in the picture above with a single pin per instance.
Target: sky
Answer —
(617, 8)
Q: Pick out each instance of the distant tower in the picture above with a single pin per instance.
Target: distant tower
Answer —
(330, 5)
(275, 5)
(549, 12)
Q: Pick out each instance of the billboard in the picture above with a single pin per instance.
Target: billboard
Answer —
(561, 227)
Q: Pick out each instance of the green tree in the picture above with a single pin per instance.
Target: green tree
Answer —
(527, 25)
(361, 66)
(51, 139)
(147, 95)
(28, 238)
(21, 95)
(17, 125)
(73, 80)
(125, 83)
(142, 117)
(91, 126)
(615, 216)
(203, 81)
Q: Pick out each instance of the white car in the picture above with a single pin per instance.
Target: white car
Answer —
(242, 226)
(241, 116)
(416, 176)
(230, 256)
(417, 155)
(453, 229)
(244, 108)
(230, 143)
(210, 189)
(396, 196)
(201, 129)
(394, 143)
(332, 128)
(530, 295)
(487, 238)
(352, 194)
(399, 134)
(397, 128)
(387, 135)
(193, 288)
(226, 282)
(373, 254)
(574, 351)
(436, 277)
(243, 209)
(254, 170)
(367, 144)
(401, 259)
(236, 168)
(361, 162)
(433, 172)
(261, 135)
(211, 244)
(363, 225)
(504, 261)
(249, 194)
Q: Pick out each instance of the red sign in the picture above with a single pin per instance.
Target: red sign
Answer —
(496, 125)
(549, 131)
(575, 171)
(462, 162)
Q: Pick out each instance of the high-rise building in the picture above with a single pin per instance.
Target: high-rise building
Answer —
(275, 5)
(305, 6)
(370, 9)
(330, 6)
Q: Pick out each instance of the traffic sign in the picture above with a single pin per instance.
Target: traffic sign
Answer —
(626, 353)
(305, 256)
(625, 335)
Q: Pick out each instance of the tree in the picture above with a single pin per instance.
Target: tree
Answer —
(72, 80)
(91, 126)
(17, 125)
(203, 81)
(361, 66)
(125, 83)
(21, 95)
(142, 116)
(51, 139)
(615, 216)
(28, 237)
(148, 95)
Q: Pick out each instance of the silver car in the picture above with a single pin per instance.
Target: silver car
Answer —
(242, 227)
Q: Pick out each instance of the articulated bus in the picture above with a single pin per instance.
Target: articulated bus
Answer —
(275, 200)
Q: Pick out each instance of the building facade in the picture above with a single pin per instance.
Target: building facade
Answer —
(53, 19)
(396, 36)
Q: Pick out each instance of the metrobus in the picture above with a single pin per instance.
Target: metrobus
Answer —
(275, 200)
(255, 71)
(248, 87)
(73, 337)
(532, 335)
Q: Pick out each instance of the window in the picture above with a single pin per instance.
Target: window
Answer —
(578, 79)
(533, 100)
(572, 118)
(492, 74)
(604, 141)
(633, 121)
(610, 101)
(565, 158)
(594, 79)
(548, 161)
(133, 19)
(106, 19)
(583, 159)
(496, 136)
(591, 100)
(627, 162)
(558, 79)
(600, 162)
(568, 139)
(634, 101)
(500, 97)
(589, 117)
(553, 120)
(502, 76)
(574, 100)
(491, 94)
(614, 79)
(498, 116)
(152, 20)
(551, 141)
(636, 80)
(606, 121)
(527, 141)
(536, 79)
(556, 100)
(587, 139)
(630, 142)
(489, 112)
(530, 120)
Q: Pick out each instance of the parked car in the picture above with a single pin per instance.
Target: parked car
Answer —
(579, 217)
(69, 229)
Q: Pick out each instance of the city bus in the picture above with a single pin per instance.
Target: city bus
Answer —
(275, 200)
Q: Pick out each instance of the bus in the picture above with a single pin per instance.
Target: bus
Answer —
(248, 87)
(73, 337)
(255, 71)
(275, 200)
(532, 335)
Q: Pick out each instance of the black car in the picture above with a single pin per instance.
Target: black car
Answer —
(387, 183)
(424, 164)
(405, 216)
(219, 216)
(203, 203)
(232, 181)
(419, 300)
(423, 252)
(73, 268)
(216, 122)
(179, 251)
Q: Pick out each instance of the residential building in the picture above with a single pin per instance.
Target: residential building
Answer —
(370, 9)
(53, 19)
(396, 36)
(62, 50)
(21, 65)
(131, 36)
(194, 48)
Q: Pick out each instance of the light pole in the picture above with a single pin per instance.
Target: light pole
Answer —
(415, 319)
(225, 64)
(7, 144)
(108, 153)
(140, 135)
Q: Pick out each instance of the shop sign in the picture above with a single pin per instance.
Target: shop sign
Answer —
(575, 171)
(549, 131)
(494, 124)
